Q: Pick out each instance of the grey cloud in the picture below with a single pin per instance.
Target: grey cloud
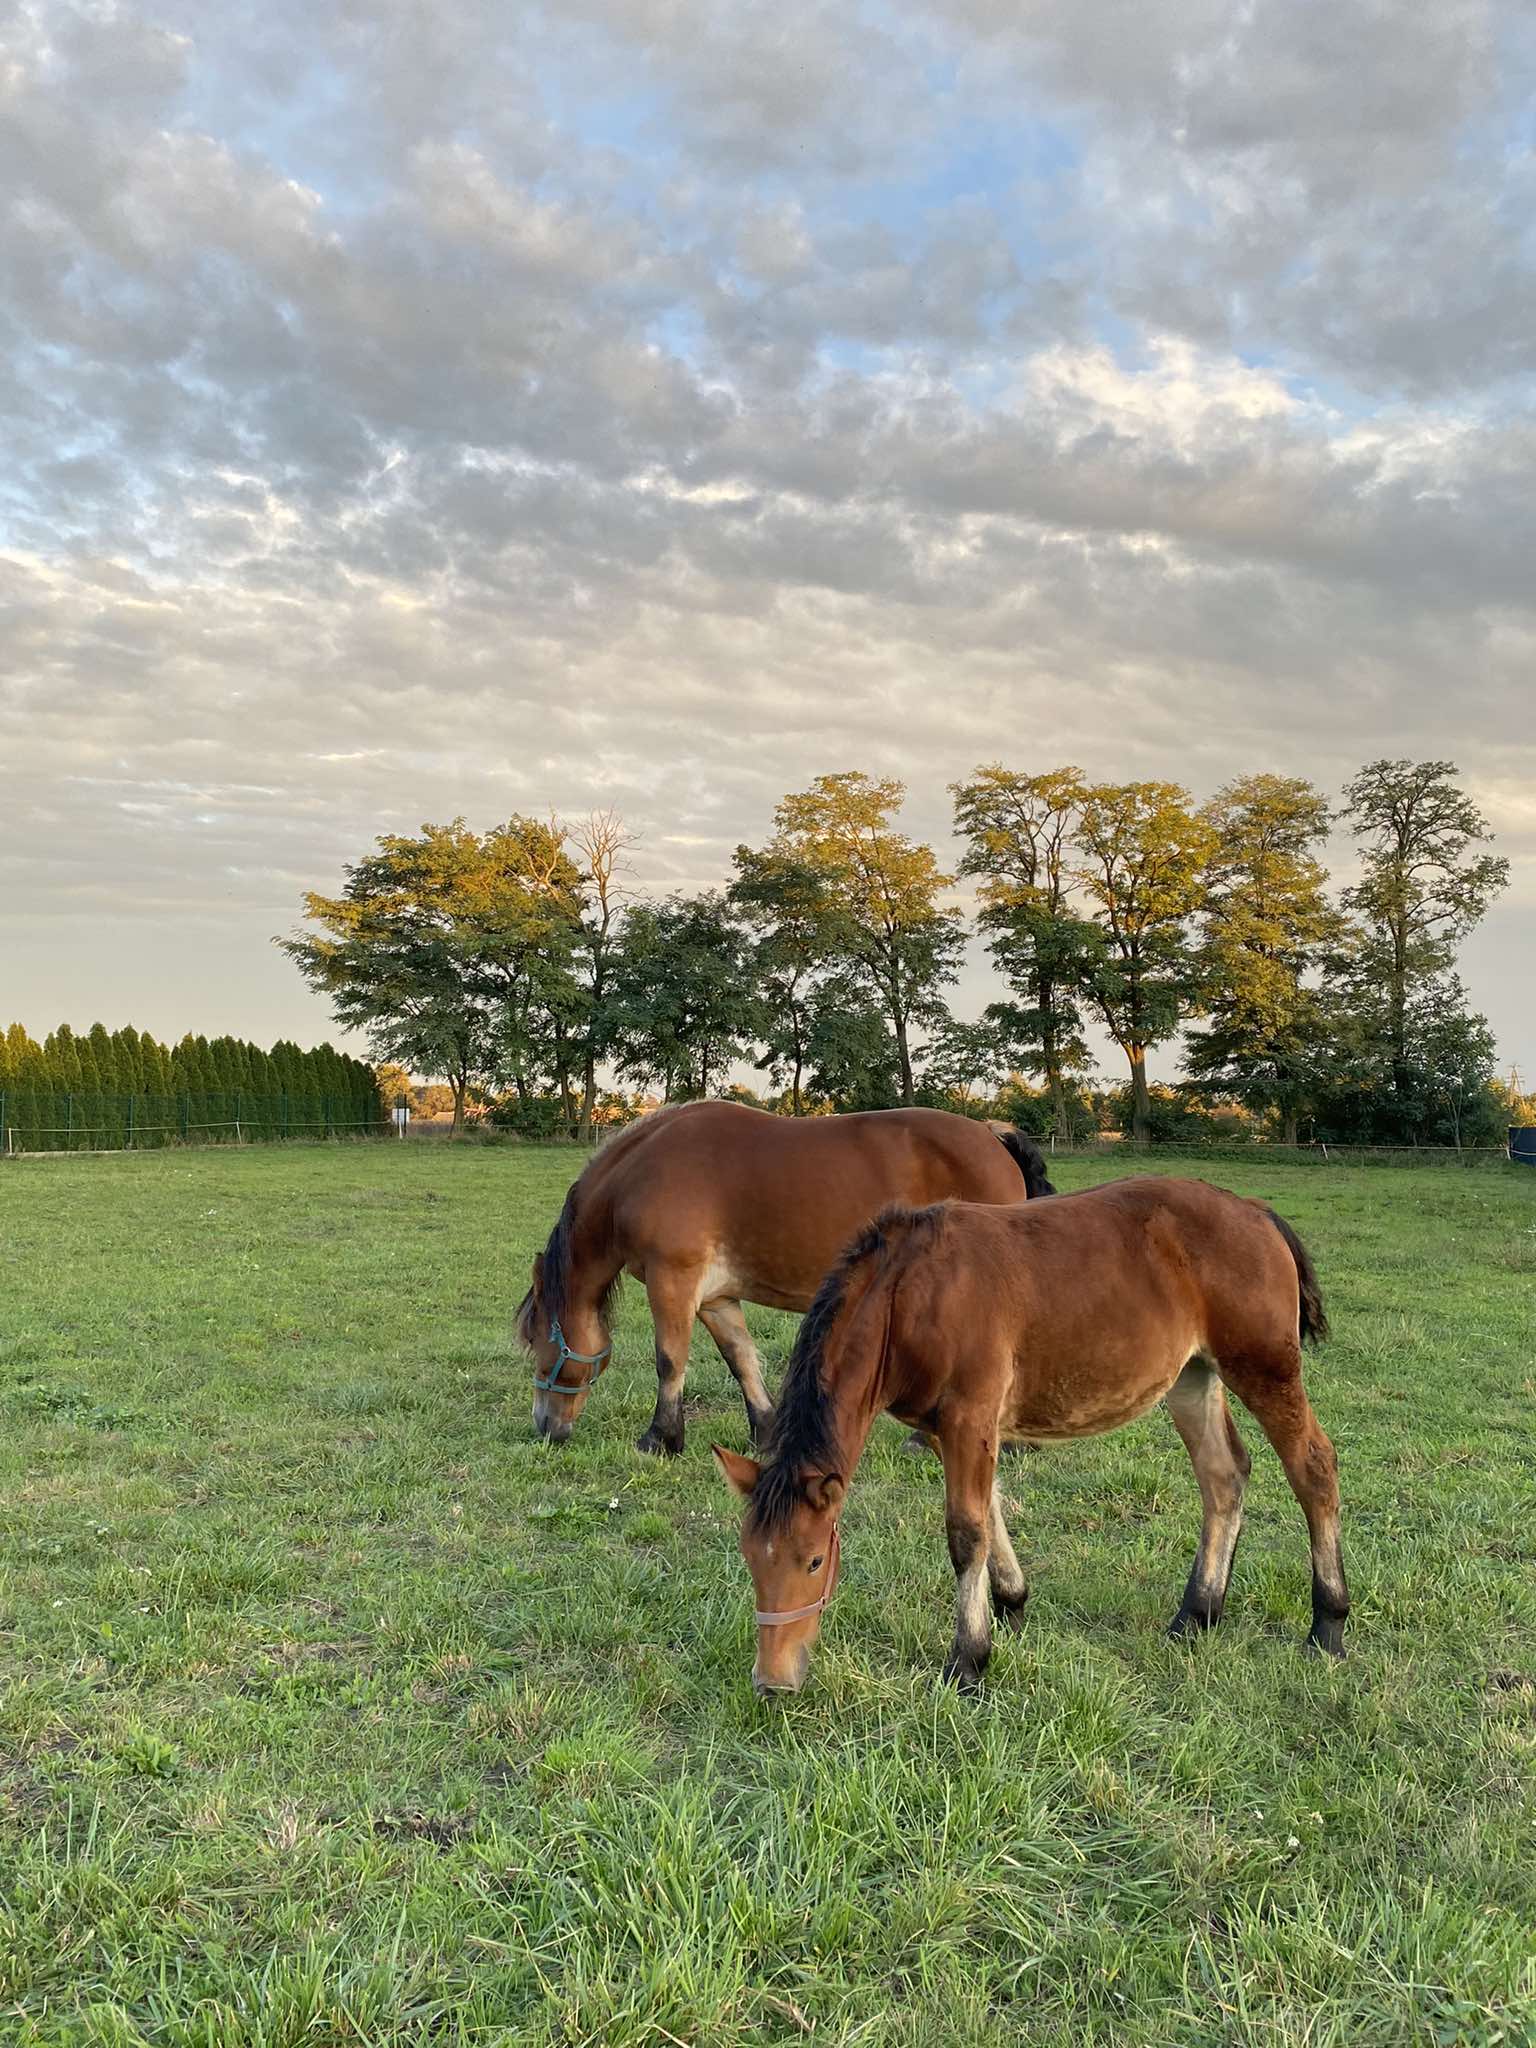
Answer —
(380, 448)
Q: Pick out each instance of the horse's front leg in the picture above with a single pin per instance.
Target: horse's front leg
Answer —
(728, 1326)
(970, 1472)
(673, 1299)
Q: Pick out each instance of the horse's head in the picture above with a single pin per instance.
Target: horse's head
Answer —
(790, 1542)
(567, 1363)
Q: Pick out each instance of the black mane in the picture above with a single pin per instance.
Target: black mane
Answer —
(802, 1441)
(555, 1275)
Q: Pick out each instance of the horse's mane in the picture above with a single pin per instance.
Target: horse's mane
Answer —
(555, 1274)
(802, 1440)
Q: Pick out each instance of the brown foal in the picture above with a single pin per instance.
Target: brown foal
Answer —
(1038, 1324)
(711, 1204)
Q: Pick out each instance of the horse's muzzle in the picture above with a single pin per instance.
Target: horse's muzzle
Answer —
(788, 1680)
(552, 1430)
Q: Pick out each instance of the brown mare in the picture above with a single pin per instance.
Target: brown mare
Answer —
(1039, 1324)
(712, 1204)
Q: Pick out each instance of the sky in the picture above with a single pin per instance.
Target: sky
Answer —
(419, 410)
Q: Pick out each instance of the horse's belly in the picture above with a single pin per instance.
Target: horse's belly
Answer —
(728, 1278)
(1091, 1402)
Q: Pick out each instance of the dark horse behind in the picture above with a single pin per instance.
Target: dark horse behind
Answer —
(711, 1204)
(1039, 1324)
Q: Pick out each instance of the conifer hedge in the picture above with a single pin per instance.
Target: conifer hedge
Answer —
(112, 1090)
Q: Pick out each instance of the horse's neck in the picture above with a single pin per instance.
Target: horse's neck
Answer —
(857, 1400)
(595, 1258)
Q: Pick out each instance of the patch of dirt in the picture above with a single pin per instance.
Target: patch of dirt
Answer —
(441, 1829)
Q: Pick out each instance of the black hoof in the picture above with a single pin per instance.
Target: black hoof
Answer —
(1010, 1613)
(656, 1446)
(1187, 1625)
(1327, 1641)
(963, 1675)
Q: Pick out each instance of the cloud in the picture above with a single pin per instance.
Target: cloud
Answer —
(413, 412)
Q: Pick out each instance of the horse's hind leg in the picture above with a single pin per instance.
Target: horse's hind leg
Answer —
(1279, 1402)
(1009, 1590)
(1200, 1414)
(728, 1326)
(970, 1473)
(672, 1296)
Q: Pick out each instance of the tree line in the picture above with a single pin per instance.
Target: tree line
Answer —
(107, 1089)
(517, 963)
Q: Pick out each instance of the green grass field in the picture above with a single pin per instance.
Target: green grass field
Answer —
(334, 1709)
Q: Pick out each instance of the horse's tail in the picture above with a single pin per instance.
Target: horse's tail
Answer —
(1313, 1316)
(1029, 1159)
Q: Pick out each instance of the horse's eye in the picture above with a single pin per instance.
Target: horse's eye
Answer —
(814, 1565)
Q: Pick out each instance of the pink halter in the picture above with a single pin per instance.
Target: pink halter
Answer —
(834, 1558)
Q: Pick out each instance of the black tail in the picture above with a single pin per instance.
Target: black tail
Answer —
(1314, 1319)
(1029, 1159)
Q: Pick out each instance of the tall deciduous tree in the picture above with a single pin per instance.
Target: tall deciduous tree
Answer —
(851, 1057)
(1423, 887)
(843, 828)
(799, 933)
(443, 947)
(1268, 925)
(601, 843)
(524, 937)
(684, 1006)
(1143, 860)
(1018, 833)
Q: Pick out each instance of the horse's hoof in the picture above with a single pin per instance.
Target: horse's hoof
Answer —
(1323, 1646)
(963, 1676)
(916, 1444)
(656, 1446)
(1010, 1615)
(1190, 1622)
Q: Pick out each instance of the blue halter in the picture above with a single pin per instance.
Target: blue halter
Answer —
(552, 1382)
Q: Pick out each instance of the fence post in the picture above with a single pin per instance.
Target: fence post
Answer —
(237, 1116)
(327, 1112)
(69, 1122)
(184, 1114)
(128, 1126)
(285, 1112)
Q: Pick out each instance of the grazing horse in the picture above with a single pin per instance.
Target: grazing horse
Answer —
(711, 1204)
(1039, 1324)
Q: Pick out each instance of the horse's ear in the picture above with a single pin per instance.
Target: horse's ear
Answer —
(827, 1491)
(740, 1474)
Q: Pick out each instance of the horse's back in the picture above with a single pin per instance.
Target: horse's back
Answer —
(1167, 1234)
(769, 1201)
(904, 1155)
(1101, 1296)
